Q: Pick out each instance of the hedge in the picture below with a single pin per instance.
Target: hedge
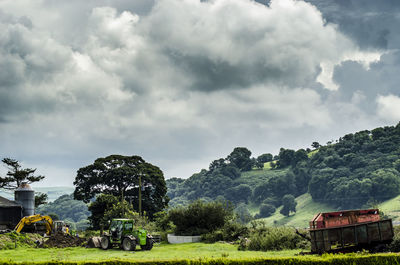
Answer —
(378, 259)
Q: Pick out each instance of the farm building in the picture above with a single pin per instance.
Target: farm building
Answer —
(10, 213)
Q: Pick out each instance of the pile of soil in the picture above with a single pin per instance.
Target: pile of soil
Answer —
(63, 241)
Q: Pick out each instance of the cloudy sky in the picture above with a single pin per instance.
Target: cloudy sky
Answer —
(183, 82)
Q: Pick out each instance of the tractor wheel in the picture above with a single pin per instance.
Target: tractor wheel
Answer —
(149, 244)
(105, 243)
(128, 244)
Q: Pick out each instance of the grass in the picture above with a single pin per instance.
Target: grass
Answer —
(256, 177)
(391, 208)
(305, 210)
(193, 251)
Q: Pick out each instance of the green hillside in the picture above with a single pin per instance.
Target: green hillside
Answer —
(305, 210)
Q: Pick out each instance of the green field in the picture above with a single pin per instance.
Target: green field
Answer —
(192, 251)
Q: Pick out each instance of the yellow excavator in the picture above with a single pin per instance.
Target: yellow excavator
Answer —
(52, 227)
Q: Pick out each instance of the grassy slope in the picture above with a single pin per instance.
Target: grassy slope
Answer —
(258, 176)
(391, 208)
(306, 209)
(162, 252)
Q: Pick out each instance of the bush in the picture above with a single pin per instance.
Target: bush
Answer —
(395, 245)
(266, 210)
(230, 232)
(200, 217)
(275, 238)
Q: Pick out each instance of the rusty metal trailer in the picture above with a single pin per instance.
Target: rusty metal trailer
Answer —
(360, 229)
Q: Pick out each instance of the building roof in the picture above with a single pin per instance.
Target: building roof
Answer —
(7, 203)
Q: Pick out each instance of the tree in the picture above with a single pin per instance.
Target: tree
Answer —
(264, 158)
(240, 193)
(266, 210)
(243, 214)
(315, 145)
(286, 157)
(289, 204)
(240, 157)
(200, 217)
(119, 176)
(103, 203)
(17, 175)
(40, 198)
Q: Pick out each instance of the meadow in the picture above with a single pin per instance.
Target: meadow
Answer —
(190, 253)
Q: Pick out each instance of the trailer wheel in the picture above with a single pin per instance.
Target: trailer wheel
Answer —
(105, 243)
(128, 244)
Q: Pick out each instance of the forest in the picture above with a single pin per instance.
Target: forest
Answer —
(359, 169)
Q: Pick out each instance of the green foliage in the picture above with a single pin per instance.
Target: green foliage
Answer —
(66, 208)
(360, 167)
(267, 238)
(14, 240)
(230, 232)
(237, 194)
(16, 175)
(242, 214)
(289, 204)
(119, 176)
(266, 210)
(265, 158)
(240, 158)
(98, 208)
(200, 218)
(40, 198)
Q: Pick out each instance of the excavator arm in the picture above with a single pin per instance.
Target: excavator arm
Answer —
(27, 220)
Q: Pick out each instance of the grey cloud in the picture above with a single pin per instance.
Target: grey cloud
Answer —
(84, 79)
(370, 23)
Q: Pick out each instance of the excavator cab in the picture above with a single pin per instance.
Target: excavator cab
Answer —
(59, 227)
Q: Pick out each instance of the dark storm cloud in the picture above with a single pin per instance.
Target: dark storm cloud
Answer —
(182, 82)
(370, 23)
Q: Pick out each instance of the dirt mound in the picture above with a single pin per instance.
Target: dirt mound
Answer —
(63, 241)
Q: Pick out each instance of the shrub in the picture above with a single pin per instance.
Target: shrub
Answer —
(266, 210)
(200, 217)
(230, 232)
(395, 245)
(274, 238)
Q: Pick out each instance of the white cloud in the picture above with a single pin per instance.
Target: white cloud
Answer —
(389, 108)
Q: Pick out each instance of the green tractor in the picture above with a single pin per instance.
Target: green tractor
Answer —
(123, 234)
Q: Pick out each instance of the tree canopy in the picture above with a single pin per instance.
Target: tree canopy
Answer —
(119, 176)
(16, 175)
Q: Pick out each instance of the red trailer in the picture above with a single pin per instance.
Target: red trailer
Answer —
(355, 229)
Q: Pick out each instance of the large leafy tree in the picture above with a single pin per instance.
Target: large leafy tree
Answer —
(240, 157)
(119, 176)
(16, 175)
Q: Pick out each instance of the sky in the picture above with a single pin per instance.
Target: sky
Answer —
(183, 82)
